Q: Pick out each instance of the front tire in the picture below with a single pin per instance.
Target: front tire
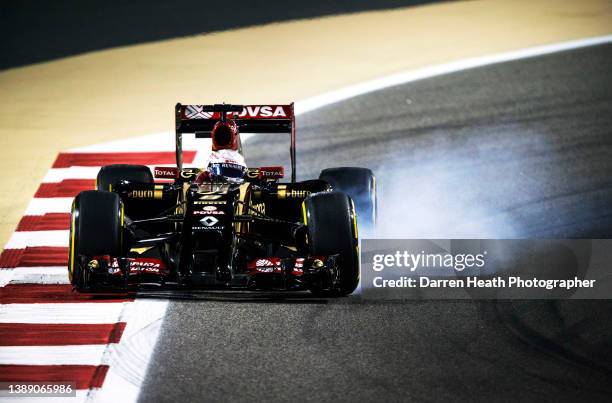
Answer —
(332, 229)
(96, 229)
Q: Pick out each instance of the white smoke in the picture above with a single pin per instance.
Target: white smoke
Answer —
(463, 188)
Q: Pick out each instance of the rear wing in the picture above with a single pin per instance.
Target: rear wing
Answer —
(200, 120)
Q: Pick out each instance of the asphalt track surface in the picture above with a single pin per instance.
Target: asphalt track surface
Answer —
(521, 149)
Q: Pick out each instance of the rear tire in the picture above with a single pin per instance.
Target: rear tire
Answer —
(331, 229)
(96, 229)
(110, 175)
(360, 185)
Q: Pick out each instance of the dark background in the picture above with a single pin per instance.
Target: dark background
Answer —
(39, 30)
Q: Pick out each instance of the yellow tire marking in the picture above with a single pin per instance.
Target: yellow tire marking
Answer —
(305, 216)
(121, 226)
(72, 231)
(354, 213)
(354, 219)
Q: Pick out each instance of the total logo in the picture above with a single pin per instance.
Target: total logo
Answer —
(209, 221)
(166, 173)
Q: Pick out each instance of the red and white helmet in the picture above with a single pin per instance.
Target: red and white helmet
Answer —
(228, 164)
(225, 136)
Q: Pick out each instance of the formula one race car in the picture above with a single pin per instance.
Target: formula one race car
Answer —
(225, 225)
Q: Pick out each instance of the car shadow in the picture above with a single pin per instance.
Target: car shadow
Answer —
(237, 296)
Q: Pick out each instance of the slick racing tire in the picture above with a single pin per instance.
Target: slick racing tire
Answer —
(96, 229)
(332, 229)
(110, 175)
(360, 185)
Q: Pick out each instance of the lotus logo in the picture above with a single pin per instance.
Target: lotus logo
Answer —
(209, 221)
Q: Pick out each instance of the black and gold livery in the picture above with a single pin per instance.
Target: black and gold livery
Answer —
(260, 234)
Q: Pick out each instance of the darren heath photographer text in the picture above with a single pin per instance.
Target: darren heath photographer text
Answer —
(457, 262)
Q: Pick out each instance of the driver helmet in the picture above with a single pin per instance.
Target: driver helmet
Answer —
(225, 136)
(227, 164)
